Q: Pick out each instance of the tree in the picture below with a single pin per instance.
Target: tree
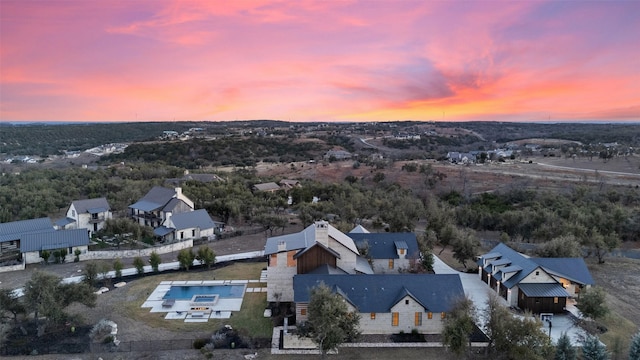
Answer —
(155, 260)
(329, 323)
(634, 348)
(77, 254)
(45, 255)
(465, 247)
(206, 256)
(10, 303)
(185, 258)
(138, 263)
(427, 260)
(593, 349)
(592, 303)
(512, 337)
(45, 295)
(562, 246)
(118, 266)
(564, 349)
(458, 326)
(90, 273)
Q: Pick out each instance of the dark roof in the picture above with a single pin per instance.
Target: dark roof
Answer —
(156, 198)
(543, 290)
(14, 230)
(573, 269)
(378, 293)
(270, 186)
(64, 222)
(192, 219)
(384, 245)
(172, 205)
(522, 265)
(53, 240)
(91, 206)
(162, 231)
(327, 269)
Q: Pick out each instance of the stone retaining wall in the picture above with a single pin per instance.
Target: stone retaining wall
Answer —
(114, 254)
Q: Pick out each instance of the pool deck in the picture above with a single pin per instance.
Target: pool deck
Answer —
(183, 309)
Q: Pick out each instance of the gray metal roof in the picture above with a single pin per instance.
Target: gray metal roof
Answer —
(363, 266)
(14, 230)
(378, 293)
(359, 230)
(192, 219)
(64, 222)
(573, 269)
(385, 245)
(156, 198)
(91, 206)
(270, 186)
(543, 290)
(162, 231)
(53, 240)
(306, 238)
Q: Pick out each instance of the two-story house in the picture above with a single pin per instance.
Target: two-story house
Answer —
(188, 225)
(159, 204)
(388, 252)
(90, 214)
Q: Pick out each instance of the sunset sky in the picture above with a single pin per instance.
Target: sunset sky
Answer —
(331, 60)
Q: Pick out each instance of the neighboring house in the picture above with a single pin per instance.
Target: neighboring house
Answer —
(266, 187)
(189, 225)
(90, 214)
(388, 252)
(159, 204)
(288, 184)
(337, 155)
(461, 158)
(540, 285)
(33, 244)
(388, 303)
(319, 247)
(30, 237)
(203, 178)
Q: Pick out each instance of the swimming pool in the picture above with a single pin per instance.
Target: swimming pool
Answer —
(187, 292)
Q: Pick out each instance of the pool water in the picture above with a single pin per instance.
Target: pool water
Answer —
(186, 292)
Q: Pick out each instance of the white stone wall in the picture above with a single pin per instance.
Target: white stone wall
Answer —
(540, 278)
(381, 266)
(348, 258)
(114, 254)
(12, 267)
(280, 279)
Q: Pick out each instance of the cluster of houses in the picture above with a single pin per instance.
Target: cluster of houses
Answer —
(372, 272)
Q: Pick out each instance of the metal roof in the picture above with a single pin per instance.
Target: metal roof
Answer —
(91, 205)
(192, 219)
(379, 293)
(162, 231)
(64, 222)
(363, 266)
(306, 238)
(385, 245)
(156, 198)
(53, 240)
(543, 290)
(359, 230)
(14, 230)
(574, 269)
(270, 186)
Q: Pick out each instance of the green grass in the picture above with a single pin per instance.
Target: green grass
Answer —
(619, 332)
(249, 320)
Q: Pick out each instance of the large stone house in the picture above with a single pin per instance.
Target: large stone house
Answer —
(158, 205)
(540, 285)
(89, 214)
(388, 303)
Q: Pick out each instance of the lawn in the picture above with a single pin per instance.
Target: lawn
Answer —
(249, 320)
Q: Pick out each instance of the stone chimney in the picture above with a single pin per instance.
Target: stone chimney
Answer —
(322, 232)
(178, 192)
(282, 246)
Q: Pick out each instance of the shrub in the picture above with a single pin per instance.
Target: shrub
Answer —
(199, 343)
(77, 253)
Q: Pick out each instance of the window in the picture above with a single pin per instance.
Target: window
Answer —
(537, 273)
(401, 251)
(303, 312)
(73, 213)
(555, 300)
(395, 319)
(418, 319)
(390, 263)
(430, 315)
(443, 315)
(373, 316)
(181, 234)
(406, 302)
(193, 232)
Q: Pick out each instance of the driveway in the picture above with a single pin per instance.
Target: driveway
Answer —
(478, 291)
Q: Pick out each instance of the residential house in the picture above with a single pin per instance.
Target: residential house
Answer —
(540, 285)
(461, 158)
(319, 247)
(266, 187)
(203, 178)
(388, 252)
(90, 214)
(29, 237)
(188, 225)
(288, 184)
(337, 155)
(158, 204)
(388, 303)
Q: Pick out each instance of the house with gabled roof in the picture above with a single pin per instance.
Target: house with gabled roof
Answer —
(89, 214)
(388, 252)
(540, 285)
(266, 187)
(188, 225)
(30, 237)
(318, 246)
(387, 303)
(158, 204)
(288, 184)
